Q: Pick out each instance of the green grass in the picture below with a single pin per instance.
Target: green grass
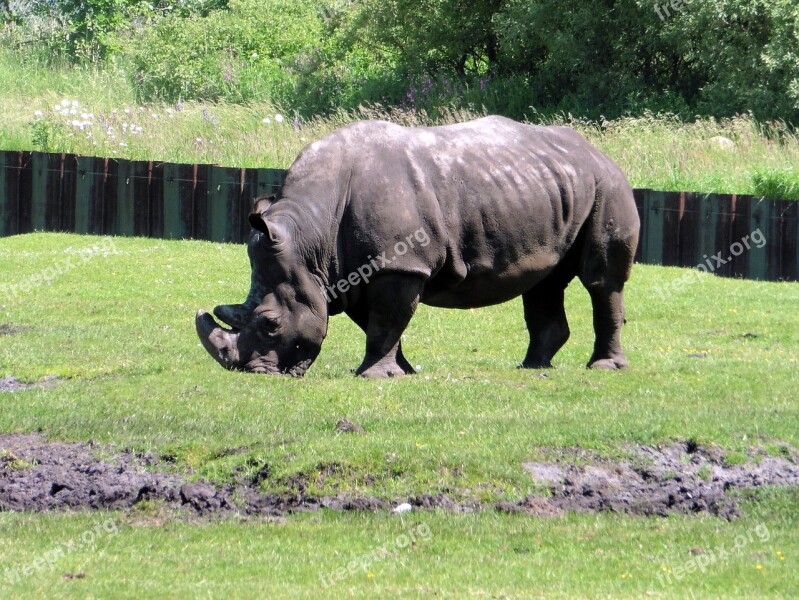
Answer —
(462, 556)
(777, 183)
(118, 327)
(656, 151)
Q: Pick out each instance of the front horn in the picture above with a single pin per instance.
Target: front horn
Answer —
(220, 343)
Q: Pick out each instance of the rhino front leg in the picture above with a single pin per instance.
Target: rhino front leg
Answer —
(360, 315)
(390, 302)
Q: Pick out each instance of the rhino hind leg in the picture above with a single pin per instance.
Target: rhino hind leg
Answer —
(389, 303)
(604, 275)
(546, 321)
(608, 320)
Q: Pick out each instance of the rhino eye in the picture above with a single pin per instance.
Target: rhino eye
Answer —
(268, 314)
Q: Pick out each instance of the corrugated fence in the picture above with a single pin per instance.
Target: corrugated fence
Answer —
(731, 235)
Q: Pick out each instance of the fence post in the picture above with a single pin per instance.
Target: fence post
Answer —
(9, 193)
(223, 200)
(652, 233)
(691, 220)
(760, 218)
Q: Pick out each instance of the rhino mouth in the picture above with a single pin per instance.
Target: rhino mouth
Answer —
(224, 346)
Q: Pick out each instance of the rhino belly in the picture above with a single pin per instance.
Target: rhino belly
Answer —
(485, 283)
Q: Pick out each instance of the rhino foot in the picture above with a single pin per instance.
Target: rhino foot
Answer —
(383, 369)
(536, 364)
(609, 364)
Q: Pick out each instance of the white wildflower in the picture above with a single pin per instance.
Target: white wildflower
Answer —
(278, 118)
(266, 121)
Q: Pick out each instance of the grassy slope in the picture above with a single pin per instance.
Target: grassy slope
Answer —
(120, 328)
(655, 152)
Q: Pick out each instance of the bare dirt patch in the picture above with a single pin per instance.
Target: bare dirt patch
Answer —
(39, 475)
(11, 329)
(682, 477)
(12, 384)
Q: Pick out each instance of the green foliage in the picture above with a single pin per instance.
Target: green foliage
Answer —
(780, 183)
(522, 58)
(238, 55)
(92, 24)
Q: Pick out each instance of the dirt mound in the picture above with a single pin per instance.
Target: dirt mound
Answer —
(37, 475)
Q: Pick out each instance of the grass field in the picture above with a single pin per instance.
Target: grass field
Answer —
(715, 362)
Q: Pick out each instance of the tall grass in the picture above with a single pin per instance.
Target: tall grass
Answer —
(738, 155)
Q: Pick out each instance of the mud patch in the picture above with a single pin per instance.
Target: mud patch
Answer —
(38, 475)
(12, 384)
(11, 329)
(682, 477)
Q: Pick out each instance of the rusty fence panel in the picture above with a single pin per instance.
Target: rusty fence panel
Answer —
(103, 196)
(727, 234)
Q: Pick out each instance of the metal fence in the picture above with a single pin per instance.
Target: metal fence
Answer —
(65, 192)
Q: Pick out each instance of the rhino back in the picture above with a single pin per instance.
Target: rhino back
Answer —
(499, 202)
(503, 202)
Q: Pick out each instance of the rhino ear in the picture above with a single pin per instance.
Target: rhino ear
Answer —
(274, 232)
(258, 217)
(262, 203)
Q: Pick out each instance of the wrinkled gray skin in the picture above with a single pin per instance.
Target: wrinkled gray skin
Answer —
(506, 210)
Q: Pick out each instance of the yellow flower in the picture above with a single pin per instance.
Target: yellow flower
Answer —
(370, 575)
(759, 567)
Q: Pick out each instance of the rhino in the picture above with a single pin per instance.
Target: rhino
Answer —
(375, 218)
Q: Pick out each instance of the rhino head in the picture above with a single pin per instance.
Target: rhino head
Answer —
(282, 323)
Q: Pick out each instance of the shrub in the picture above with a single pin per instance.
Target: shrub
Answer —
(240, 54)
